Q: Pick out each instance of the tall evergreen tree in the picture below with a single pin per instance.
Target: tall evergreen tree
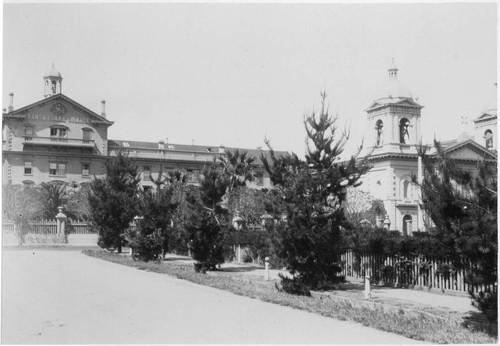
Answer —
(210, 226)
(151, 237)
(314, 190)
(463, 210)
(114, 200)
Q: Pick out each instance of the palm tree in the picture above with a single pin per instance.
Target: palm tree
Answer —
(239, 167)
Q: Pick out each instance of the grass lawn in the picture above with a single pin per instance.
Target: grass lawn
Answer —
(425, 323)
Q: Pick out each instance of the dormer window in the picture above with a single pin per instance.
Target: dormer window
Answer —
(58, 132)
(404, 135)
(87, 135)
(28, 132)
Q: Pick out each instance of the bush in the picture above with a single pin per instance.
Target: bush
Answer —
(294, 286)
(146, 245)
(487, 302)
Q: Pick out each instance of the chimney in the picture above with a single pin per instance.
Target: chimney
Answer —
(11, 105)
(103, 113)
(161, 145)
(222, 149)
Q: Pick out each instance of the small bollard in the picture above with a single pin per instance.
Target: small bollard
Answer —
(368, 293)
(266, 275)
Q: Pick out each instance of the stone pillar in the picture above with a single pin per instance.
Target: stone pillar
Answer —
(266, 274)
(368, 293)
(61, 225)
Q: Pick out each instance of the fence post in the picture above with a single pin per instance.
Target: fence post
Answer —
(61, 225)
(368, 294)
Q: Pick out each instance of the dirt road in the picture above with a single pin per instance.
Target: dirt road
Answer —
(65, 297)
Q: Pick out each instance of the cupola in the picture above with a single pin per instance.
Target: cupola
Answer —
(393, 88)
(52, 82)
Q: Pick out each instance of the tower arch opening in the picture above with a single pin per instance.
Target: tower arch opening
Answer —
(404, 134)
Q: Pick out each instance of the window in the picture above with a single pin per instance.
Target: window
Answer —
(147, 188)
(28, 169)
(406, 192)
(85, 169)
(147, 173)
(87, 135)
(260, 179)
(58, 132)
(404, 135)
(57, 169)
(28, 131)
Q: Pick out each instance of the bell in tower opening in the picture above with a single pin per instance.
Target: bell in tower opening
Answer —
(53, 82)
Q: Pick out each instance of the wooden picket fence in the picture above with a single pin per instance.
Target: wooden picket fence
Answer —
(410, 271)
(50, 227)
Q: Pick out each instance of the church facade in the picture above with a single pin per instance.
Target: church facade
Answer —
(394, 135)
(58, 139)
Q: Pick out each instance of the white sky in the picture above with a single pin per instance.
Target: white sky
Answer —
(233, 73)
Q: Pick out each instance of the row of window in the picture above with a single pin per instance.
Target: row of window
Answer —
(58, 132)
(56, 169)
(59, 169)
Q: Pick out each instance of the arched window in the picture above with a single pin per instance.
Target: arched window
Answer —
(406, 189)
(404, 135)
(488, 136)
(379, 127)
(407, 225)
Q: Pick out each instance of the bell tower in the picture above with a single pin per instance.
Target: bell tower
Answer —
(394, 118)
(52, 82)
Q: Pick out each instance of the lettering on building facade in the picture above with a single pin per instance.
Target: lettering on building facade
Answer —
(50, 117)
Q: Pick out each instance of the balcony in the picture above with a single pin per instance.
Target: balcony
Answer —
(59, 142)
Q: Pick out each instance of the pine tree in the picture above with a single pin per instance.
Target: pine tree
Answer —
(463, 210)
(210, 228)
(314, 190)
(114, 200)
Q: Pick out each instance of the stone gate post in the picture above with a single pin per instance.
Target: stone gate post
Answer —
(61, 225)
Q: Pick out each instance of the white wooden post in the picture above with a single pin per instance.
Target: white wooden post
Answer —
(266, 274)
(239, 253)
(368, 294)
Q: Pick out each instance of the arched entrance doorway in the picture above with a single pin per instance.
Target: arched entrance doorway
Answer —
(407, 225)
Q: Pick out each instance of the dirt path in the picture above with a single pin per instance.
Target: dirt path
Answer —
(64, 297)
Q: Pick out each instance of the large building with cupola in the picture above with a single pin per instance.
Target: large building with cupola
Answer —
(394, 134)
(59, 139)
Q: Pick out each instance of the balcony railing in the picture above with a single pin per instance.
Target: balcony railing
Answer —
(63, 141)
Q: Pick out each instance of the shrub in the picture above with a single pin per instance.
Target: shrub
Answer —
(487, 303)
(146, 244)
(295, 286)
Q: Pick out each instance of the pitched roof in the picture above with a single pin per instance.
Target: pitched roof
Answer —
(186, 147)
(97, 118)
(472, 145)
(400, 101)
(486, 115)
